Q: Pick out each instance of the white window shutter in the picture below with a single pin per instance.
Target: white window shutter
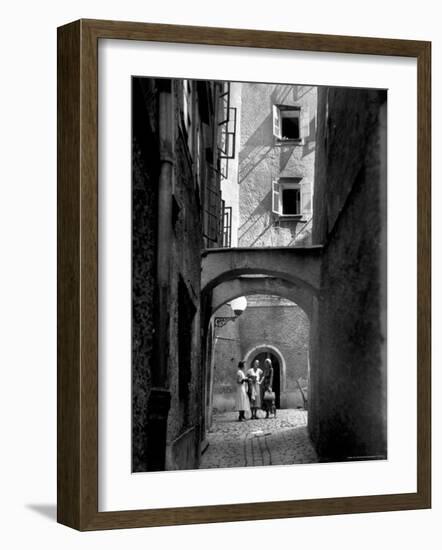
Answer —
(276, 122)
(306, 200)
(185, 104)
(298, 203)
(306, 203)
(305, 123)
(276, 203)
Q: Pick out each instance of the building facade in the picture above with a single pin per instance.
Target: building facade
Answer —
(177, 210)
(273, 172)
(221, 172)
(348, 406)
(269, 189)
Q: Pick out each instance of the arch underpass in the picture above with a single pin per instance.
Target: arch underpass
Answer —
(297, 265)
(228, 273)
(244, 286)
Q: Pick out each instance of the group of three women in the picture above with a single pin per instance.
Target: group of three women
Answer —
(251, 387)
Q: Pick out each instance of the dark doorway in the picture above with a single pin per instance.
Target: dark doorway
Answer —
(276, 373)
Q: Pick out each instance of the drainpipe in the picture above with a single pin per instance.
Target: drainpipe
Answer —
(159, 399)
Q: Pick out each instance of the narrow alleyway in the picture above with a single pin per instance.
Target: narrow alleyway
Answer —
(262, 442)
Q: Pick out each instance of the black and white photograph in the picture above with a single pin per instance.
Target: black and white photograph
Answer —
(220, 275)
(259, 262)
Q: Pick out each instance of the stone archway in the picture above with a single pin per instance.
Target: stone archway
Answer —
(292, 358)
(227, 273)
(298, 265)
(229, 290)
(253, 352)
(276, 381)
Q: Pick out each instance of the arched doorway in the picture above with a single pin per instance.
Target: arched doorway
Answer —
(262, 352)
(276, 386)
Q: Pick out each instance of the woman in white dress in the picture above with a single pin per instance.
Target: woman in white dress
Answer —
(242, 404)
(255, 376)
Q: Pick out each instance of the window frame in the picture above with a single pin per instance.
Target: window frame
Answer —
(304, 123)
(278, 187)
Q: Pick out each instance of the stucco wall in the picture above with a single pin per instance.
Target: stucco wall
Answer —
(262, 158)
(227, 353)
(348, 360)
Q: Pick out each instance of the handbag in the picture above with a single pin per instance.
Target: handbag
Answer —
(269, 395)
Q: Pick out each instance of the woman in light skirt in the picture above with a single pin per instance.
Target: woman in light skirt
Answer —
(254, 374)
(242, 404)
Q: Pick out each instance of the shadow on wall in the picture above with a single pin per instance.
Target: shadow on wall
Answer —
(261, 136)
(262, 209)
(281, 93)
(250, 160)
(300, 91)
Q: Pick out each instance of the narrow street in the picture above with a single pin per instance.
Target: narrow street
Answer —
(262, 442)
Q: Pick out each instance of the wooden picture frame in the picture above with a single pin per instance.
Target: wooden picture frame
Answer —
(78, 274)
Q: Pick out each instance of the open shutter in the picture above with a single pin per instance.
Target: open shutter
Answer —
(185, 103)
(306, 199)
(276, 122)
(276, 203)
(305, 123)
(298, 202)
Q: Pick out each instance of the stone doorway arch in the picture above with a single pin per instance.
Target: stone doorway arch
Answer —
(264, 348)
(276, 384)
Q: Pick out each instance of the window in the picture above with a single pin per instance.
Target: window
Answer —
(291, 202)
(286, 197)
(290, 123)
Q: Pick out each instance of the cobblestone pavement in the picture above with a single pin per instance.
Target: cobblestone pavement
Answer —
(262, 442)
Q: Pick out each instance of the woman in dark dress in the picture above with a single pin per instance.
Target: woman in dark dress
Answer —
(268, 404)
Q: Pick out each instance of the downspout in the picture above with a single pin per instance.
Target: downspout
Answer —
(164, 228)
(159, 399)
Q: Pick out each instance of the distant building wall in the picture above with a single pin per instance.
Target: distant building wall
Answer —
(268, 322)
(227, 348)
(284, 325)
(263, 158)
(348, 384)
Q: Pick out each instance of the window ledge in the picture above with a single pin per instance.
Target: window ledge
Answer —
(291, 217)
(282, 141)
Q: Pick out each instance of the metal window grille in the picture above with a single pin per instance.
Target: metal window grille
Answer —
(227, 133)
(227, 226)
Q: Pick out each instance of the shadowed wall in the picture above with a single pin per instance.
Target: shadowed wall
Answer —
(348, 384)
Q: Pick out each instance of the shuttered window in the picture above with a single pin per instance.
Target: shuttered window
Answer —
(276, 122)
(276, 208)
(291, 123)
(289, 198)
